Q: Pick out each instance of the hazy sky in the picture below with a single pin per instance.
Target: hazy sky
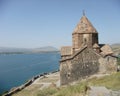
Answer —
(37, 23)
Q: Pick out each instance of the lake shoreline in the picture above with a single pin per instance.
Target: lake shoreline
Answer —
(16, 69)
(28, 83)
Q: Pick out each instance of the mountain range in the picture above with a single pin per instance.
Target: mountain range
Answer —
(8, 50)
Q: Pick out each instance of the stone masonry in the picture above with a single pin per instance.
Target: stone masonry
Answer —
(86, 56)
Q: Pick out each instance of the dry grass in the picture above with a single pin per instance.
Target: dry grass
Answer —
(49, 79)
(76, 90)
(29, 91)
(111, 82)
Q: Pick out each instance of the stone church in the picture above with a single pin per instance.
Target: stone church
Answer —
(86, 56)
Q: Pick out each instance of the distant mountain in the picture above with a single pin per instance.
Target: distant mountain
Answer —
(45, 49)
(116, 48)
(116, 45)
(28, 50)
(7, 49)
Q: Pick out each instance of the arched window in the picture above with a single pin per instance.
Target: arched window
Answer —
(85, 39)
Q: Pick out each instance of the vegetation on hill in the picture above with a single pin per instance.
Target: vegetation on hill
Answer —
(110, 82)
(64, 91)
(118, 61)
(79, 89)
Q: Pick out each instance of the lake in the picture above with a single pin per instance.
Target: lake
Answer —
(16, 69)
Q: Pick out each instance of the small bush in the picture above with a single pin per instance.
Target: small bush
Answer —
(118, 61)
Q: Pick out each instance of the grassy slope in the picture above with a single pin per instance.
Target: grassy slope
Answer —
(64, 91)
(79, 89)
(111, 82)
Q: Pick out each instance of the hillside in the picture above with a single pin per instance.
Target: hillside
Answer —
(45, 49)
(116, 48)
(97, 84)
(8, 50)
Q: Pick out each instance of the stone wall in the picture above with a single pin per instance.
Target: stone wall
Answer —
(65, 57)
(80, 39)
(108, 64)
(65, 69)
(86, 62)
(82, 65)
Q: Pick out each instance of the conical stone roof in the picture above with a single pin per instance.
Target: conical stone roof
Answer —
(84, 26)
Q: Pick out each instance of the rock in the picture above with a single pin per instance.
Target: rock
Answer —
(115, 93)
(102, 91)
(99, 91)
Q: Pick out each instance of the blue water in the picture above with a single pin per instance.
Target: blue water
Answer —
(15, 69)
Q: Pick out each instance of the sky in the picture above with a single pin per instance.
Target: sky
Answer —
(38, 23)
